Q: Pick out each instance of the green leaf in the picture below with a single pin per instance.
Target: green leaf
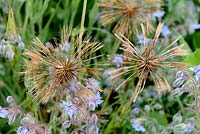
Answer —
(11, 29)
(93, 15)
(193, 58)
(162, 121)
(185, 44)
(195, 40)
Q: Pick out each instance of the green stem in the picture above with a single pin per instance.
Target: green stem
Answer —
(179, 102)
(127, 108)
(125, 111)
(107, 98)
(25, 25)
(82, 29)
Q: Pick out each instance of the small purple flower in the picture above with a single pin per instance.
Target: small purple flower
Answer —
(178, 82)
(21, 45)
(11, 38)
(65, 46)
(2, 47)
(10, 99)
(177, 92)
(92, 125)
(10, 54)
(165, 31)
(197, 76)
(195, 26)
(192, 26)
(18, 38)
(190, 127)
(196, 70)
(152, 93)
(143, 40)
(136, 125)
(137, 105)
(3, 112)
(2, 42)
(94, 101)
(69, 108)
(74, 87)
(66, 124)
(158, 14)
(180, 74)
(22, 130)
(117, 60)
(92, 84)
(48, 45)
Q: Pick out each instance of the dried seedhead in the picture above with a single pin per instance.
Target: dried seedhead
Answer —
(52, 71)
(128, 14)
(154, 59)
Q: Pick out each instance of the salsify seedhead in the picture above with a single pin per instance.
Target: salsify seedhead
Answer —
(128, 14)
(54, 71)
(155, 59)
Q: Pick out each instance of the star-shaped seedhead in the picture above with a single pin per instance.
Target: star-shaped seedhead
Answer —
(53, 72)
(128, 14)
(155, 58)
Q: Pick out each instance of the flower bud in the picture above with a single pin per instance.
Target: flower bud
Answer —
(10, 99)
(179, 74)
(74, 132)
(93, 119)
(66, 124)
(177, 118)
(147, 108)
(91, 106)
(177, 92)
(3, 112)
(76, 100)
(21, 45)
(180, 127)
(178, 82)
(28, 119)
(157, 106)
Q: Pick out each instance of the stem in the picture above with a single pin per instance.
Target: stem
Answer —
(179, 102)
(125, 111)
(116, 46)
(107, 98)
(82, 29)
(25, 25)
(127, 108)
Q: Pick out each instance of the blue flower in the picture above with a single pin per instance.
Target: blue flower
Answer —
(3, 112)
(10, 54)
(137, 126)
(143, 40)
(65, 46)
(21, 45)
(189, 128)
(165, 31)
(69, 108)
(94, 101)
(195, 26)
(137, 105)
(92, 84)
(158, 14)
(196, 70)
(118, 59)
(23, 130)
